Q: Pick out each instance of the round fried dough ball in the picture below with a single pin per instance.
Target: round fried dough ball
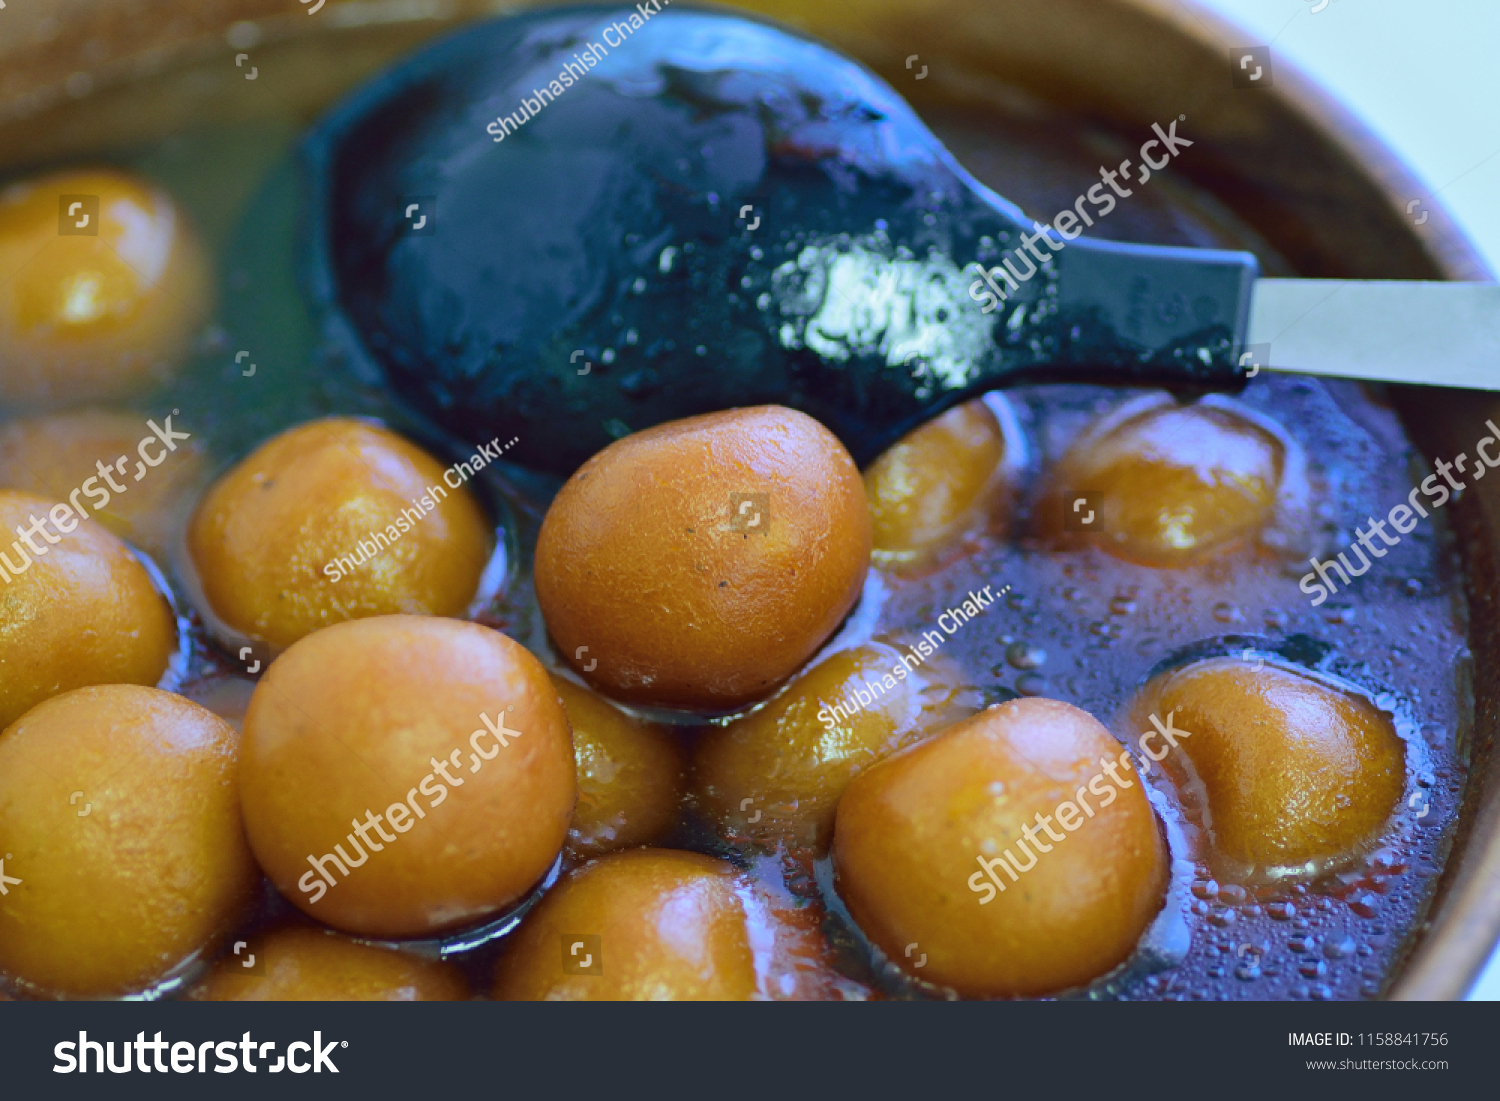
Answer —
(102, 285)
(76, 607)
(333, 520)
(314, 965)
(1293, 769)
(936, 481)
(406, 775)
(119, 814)
(642, 925)
(1017, 850)
(778, 771)
(698, 564)
(1169, 485)
(54, 455)
(630, 774)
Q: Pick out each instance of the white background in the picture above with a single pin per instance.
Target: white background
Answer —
(1424, 76)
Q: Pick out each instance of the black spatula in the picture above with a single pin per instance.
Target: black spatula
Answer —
(572, 224)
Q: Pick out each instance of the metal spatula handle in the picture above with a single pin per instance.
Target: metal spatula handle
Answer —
(1435, 334)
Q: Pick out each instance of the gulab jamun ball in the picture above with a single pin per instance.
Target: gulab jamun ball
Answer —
(935, 482)
(699, 564)
(1017, 850)
(101, 292)
(778, 772)
(76, 607)
(641, 925)
(1293, 771)
(55, 454)
(406, 775)
(119, 813)
(630, 774)
(333, 520)
(315, 965)
(1168, 485)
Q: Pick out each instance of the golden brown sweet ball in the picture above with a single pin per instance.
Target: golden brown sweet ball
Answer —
(314, 965)
(1294, 769)
(120, 817)
(406, 775)
(1169, 485)
(76, 607)
(630, 774)
(333, 520)
(698, 564)
(57, 454)
(935, 483)
(641, 925)
(102, 286)
(1017, 850)
(778, 772)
